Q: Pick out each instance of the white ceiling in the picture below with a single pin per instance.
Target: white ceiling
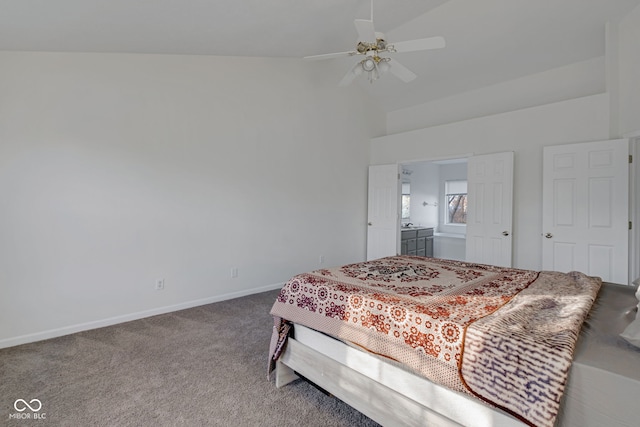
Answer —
(488, 41)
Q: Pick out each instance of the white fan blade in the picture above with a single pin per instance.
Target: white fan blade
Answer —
(400, 71)
(351, 75)
(330, 56)
(366, 33)
(419, 44)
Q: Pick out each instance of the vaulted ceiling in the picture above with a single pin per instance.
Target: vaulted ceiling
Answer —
(488, 41)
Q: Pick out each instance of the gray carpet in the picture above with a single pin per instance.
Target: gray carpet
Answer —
(204, 366)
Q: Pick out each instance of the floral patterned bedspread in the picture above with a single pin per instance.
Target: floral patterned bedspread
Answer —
(419, 311)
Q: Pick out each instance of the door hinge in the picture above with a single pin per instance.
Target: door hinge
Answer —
(630, 158)
(630, 225)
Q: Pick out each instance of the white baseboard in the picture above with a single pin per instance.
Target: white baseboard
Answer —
(58, 332)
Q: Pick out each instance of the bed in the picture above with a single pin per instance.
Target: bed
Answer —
(420, 341)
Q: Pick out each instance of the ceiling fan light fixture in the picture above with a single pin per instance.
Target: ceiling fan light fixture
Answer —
(371, 45)
(368, 64)
(371, 65)
(383, 66)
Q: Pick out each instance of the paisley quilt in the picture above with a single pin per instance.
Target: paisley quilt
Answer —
(503, 335)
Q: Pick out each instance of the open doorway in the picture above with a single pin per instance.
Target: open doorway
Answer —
(434, 198)
(487, 236)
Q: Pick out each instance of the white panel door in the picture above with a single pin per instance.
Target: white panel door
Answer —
(490, 209)
(585, 209)
(383, 213)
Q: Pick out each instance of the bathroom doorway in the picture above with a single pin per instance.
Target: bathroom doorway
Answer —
(434, 197)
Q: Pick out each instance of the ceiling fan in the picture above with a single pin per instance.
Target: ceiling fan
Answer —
(370, 45)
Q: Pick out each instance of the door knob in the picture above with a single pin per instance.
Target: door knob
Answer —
(369, 223)
(505, 233)
(548, 235)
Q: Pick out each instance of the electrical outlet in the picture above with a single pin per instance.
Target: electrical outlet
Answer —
(234, 272)
(160, 285)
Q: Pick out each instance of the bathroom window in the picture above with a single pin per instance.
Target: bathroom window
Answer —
(456, 201)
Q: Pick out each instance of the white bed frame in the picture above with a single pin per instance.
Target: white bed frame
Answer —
(603, 385)
(379, 389)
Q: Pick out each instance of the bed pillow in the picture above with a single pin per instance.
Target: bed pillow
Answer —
(632, 332)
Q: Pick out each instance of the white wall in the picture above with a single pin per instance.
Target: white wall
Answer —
(629, 72)
(523, 131)
(424, 188)
(117, 170)
(591, 100)
(449, 247)
(559, 84)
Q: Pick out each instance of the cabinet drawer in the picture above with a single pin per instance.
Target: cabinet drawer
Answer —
(411, 244)
(409, 234)
(425, 232)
